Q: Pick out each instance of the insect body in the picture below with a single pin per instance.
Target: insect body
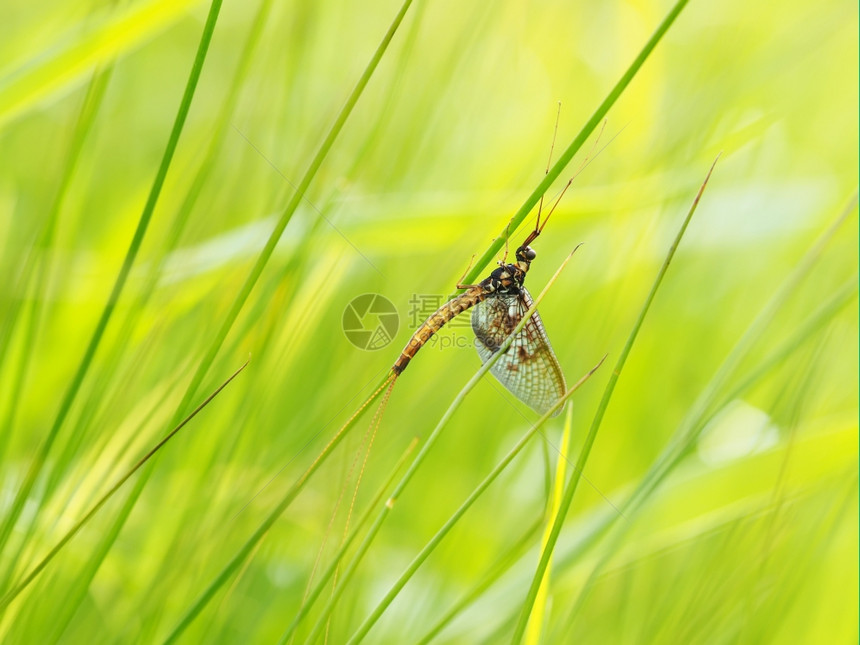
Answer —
(528, 368)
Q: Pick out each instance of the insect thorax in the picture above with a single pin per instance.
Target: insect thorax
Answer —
(505, 279)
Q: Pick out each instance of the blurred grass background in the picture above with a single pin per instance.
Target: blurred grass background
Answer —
(752, 536)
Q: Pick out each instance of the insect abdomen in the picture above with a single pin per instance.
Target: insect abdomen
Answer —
(435, 322)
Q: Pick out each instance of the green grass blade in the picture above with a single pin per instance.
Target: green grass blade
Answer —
(148, 209)
(582, 459)
(419, 458)
(290, 209)
(536, 620)
(575, 145)
(110, 365)
(38, 259)
(251, 544)
(750, 337)
(70, 601)
(13, 593)
(241, 298)
(114, 355)
(635, 502)
(698, 416)
(96, 557)
(455, 517)
(502, 565)
(333, 565)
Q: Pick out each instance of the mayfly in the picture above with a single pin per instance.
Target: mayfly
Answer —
(528, 368)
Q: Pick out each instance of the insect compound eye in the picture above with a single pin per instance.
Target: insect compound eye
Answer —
(530, 254)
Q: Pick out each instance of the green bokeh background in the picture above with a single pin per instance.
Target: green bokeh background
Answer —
(753, 536)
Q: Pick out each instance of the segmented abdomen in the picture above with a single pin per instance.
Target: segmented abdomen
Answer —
(435, 322)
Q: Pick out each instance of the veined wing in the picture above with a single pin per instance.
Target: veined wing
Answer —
(529, 368)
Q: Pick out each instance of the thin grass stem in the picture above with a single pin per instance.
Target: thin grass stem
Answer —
(455, 517)
(290, 209)
(582, 459)
(13, 593)
(536, 621)
(496, 571)
(698, 416)
(251, 544)
(575, 145)
(329, 573)
(242, 297)
(143, 223)
(422, 455)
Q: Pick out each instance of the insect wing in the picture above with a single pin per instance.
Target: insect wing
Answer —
(529, 368)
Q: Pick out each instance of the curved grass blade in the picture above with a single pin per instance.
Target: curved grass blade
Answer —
(419, 458)
(13, 593)
(565, 157)
(582, 459)
(142, 225)
(455, 517)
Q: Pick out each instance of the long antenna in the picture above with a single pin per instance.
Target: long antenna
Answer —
(587, 160)
(549, 159)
